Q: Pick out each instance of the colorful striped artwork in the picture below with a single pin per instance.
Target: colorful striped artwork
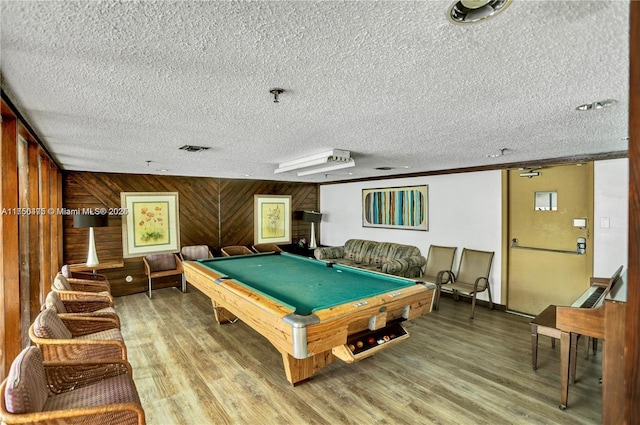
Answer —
(396, 207)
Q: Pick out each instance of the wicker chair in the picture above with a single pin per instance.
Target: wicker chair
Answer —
(80, 307)
(84, 285)
(95, 392)
(67, 292)
(163, 265)
(472, 276)
(229, 251)
(65, 337)
(266, 247)
(195, 252)
(68, 272)
(438, 268)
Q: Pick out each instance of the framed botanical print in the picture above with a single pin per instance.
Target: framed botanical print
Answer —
(152, 223)
(272, 219)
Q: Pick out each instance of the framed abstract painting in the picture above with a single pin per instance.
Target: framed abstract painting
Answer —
(396, 207)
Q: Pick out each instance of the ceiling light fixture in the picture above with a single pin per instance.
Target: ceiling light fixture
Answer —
(472, 11)
(334, 159)
(276, 94)
(597, 105)
(530, 174)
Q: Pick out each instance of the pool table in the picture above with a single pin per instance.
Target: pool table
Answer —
(312, 311)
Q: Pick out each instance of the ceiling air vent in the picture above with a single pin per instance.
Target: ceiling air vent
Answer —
(191, 148)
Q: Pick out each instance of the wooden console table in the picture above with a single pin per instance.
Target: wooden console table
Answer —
(82, 267)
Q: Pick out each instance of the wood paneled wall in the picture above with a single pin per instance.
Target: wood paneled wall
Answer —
(30, 241)
(632, 345)
(216, 212)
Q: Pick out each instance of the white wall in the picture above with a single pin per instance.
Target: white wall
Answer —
(464, 211)
(610, 203)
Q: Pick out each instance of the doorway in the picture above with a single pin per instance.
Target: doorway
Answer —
(549, 209)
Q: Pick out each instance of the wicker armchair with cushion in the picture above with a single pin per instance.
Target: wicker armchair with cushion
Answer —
(92, 392)
(82, 285)
(66, 292)
(386, 257)
(63, 338)
(68, 272)
(80, 307)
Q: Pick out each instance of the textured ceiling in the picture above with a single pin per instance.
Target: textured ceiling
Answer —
(111, 85)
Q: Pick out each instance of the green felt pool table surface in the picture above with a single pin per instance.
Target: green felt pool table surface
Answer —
(303, 284)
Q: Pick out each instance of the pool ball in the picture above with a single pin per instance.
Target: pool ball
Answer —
(352, 347)
(371, 340)
(386, 338)
(359, 344)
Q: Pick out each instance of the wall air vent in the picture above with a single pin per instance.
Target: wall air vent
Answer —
(191, 148)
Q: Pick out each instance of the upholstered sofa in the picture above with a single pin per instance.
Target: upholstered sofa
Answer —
(386, 257)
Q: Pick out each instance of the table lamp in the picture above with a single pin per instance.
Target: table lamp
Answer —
(313, 218)
(90, 221)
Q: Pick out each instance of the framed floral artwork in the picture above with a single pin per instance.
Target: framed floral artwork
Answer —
(151, 225)
(272, 219)
(396, 207)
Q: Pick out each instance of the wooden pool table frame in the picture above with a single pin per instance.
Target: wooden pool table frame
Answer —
(308, 343)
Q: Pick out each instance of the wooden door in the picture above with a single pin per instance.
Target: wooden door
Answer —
(543, 266)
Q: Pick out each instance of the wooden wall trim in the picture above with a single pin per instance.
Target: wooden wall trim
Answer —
(30, 234)
(44, 250)
(32, 244)
(24, 225)
(632, 341)
(9, 246)
(24, 128)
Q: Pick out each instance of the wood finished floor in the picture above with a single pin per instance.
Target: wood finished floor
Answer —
(190, 370)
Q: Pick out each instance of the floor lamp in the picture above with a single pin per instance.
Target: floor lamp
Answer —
(90, 220)
(313, 218)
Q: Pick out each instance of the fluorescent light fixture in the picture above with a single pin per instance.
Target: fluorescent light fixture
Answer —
(350, 163)
(530, 174)
(334, 159)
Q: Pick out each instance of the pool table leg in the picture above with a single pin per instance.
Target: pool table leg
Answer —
(222, 315)
(300, 370)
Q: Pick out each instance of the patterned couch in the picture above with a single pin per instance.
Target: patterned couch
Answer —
(386, 257)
